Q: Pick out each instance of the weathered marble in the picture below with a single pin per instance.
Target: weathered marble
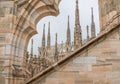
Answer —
(18, 19)
(100, 66)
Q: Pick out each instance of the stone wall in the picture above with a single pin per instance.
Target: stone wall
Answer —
(98, 63)
(17, 25)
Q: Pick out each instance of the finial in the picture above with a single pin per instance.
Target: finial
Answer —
(43, 37)
(92, 14)
(48, 37)
(68, 17)
(56, 36)
(44, 28)
(92, 10)
(76, 1)
(56, 51)
(93, 30)
(68, 21)
(87, 28)
(31, 47)
(49, 25)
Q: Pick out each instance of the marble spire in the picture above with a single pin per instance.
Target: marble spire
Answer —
(48, 37)
(93, 31)
(77, 30)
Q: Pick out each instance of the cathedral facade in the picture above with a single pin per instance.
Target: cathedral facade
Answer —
(95, 60)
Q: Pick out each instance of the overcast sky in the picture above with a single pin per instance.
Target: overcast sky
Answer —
(59, 23)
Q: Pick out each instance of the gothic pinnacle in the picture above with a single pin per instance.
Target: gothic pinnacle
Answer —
(93, 31)
(43, 37)
(48, 37)
(77, 21)
(56, 51)
(31, 53)
(87, 28)
(68, 33)
(77, 31)
(92, 14)
(31, 48)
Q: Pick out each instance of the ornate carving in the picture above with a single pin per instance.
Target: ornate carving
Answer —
(2, 39)
(4, 25)
(1, 12)
(6, 11)
(109, 6)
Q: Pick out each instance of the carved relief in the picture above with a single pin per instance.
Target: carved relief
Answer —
(4, 25)
(5, 11)
(2, 39)
(1, 12)
(118, 5)
(2, 79)
(109, 6)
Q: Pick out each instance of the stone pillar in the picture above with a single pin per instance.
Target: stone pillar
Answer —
(8, 47)
(14, 39)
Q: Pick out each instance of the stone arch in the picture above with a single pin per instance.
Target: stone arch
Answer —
(43, 15)
(38, 9)
(31, 33)
(22, 28)
(45, 9)
(26, 23)
(42, 11)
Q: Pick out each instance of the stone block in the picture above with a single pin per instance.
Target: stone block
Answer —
(102, 67)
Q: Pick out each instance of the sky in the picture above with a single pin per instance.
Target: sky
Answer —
(59, 23)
